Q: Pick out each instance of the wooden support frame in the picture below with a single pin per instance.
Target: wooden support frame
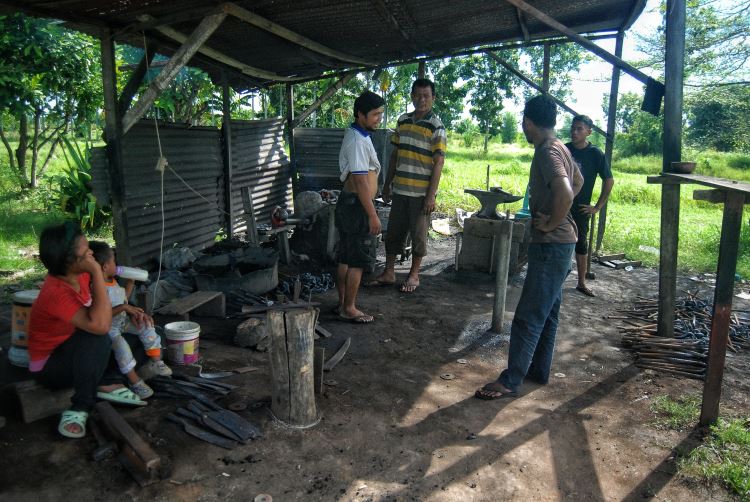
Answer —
(280, 31)
(131, 87)
(536, 86)
(522, 24)
(176, 63)
(220, 57)
(290, 136)
(592, 47)
(226, 132)
(670, 201)
(324, 97)
(113, 137)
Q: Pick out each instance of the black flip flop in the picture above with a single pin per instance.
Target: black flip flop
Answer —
(489, 388)
(586, 291)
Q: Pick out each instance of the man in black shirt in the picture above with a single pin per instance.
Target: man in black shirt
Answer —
(592, 163)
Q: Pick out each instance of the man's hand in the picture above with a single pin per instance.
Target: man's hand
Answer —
(375, 225)
(541, 222)
(386, 194)
(588, 209)
(429, 204)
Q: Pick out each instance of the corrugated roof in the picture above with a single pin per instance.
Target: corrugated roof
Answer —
(380, 32)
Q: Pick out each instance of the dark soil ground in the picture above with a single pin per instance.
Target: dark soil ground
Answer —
(393, 429)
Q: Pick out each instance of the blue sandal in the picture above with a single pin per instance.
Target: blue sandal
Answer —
(69, 417)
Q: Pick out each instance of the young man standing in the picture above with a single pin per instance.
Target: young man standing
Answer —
(356, 219)
(592, 164)
(553, 182)
(412, 182)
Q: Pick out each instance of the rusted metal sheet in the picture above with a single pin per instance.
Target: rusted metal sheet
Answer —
(260, 163)
(318, 156)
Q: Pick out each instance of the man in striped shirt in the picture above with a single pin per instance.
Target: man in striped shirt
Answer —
(412, 182)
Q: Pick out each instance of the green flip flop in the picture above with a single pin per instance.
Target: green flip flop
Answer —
(73, 417)
(122, 396)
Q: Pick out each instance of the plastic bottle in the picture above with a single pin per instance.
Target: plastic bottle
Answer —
(136, 274)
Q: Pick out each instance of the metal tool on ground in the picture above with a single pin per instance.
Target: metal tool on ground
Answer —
(202, 434)
(200, 412)
(589, 274)
(338, 356)
(489, 199)
(105, 448)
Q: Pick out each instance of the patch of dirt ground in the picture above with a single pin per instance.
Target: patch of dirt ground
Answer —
(393, 429)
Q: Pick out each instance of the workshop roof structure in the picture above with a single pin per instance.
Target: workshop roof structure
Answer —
(263, 42)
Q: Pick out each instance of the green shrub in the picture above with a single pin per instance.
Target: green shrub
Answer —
(738, 161)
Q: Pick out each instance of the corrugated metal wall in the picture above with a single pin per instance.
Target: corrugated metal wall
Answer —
(317, 152)
(259, 162)
(193, 220)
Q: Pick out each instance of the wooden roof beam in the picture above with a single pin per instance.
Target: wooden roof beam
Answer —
(131, 87)
(287, 34)
(169, 72)
(539, 88)
(220, 56)
(582, 41)
(522, 23)
(323, 98)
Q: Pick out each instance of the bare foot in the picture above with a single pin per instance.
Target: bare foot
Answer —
(356, 316)
(410, 285)
(385, 279)
(110, 388)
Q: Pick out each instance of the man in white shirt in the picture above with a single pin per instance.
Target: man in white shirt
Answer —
(356, 218)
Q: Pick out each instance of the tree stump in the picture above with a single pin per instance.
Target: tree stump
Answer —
(291, 334)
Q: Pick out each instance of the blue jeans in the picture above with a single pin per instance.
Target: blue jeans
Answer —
(532, 334)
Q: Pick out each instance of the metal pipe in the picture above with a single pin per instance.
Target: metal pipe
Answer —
(501, 277)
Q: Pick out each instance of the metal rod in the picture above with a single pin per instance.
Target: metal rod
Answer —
(226, 131)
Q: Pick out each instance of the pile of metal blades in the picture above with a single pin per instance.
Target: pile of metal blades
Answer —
(183, 386)
(686, 354)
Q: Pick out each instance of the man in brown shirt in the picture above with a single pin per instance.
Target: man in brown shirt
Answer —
(553, 182)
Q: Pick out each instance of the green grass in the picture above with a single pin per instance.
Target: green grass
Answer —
(634, 210)
(676, 414)
(724, 457)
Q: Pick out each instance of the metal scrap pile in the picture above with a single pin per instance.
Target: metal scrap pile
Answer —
(686, 354)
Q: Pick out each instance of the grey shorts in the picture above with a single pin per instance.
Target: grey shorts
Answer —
(356, 247)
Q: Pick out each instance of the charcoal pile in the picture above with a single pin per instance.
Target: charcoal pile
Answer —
(686, 354)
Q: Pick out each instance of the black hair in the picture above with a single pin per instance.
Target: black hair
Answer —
(102, 252)
(423, 82)
(366, 102)
(57, 245)
(583, 119)
(542, 111)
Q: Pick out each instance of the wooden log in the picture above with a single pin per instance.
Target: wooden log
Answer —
(39, 402)
(292, 368)
(320, 357)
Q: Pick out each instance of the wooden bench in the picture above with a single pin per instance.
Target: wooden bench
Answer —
(202, 303)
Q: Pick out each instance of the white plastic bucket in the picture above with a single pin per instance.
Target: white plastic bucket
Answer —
(18, 355)
(182, 342)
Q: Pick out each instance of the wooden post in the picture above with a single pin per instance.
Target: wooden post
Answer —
(545, 69)
(717, 345)
(250, 222)
(226, 131)
(501, 275)
(290, 137)
(614, 89)
(113, 137)
(420, 70)
(670, 194)
(291, 335)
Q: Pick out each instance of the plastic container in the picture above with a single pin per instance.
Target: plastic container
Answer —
(182, 342)
(137, 274)
(18, 355)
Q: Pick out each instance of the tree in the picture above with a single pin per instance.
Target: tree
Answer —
(716, 42)
(49, 79)
(564, 61)
(509, 128)
(489, 82)
(719, 119)
(640, 133)
(450, 89)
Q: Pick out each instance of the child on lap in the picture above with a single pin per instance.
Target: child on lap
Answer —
(128, 319)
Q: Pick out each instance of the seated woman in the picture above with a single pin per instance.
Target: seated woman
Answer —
(68, 342)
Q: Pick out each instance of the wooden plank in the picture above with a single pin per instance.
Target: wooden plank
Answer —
(710, 181)
(280, 31)
(180, 58)
(715, 195)
(250, 221)
(119, 428)
(188, 303)
(668, 240)
(319, 360)
(39, 402)
(608, 257)
(322, 331)
(663, 180)
(254, 309)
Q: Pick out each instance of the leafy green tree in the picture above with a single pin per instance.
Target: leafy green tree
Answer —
(639, 132)
(564, 61)
(489, 82)
(719, 118)
(509, 128)
(49, 79)
(450, 89)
